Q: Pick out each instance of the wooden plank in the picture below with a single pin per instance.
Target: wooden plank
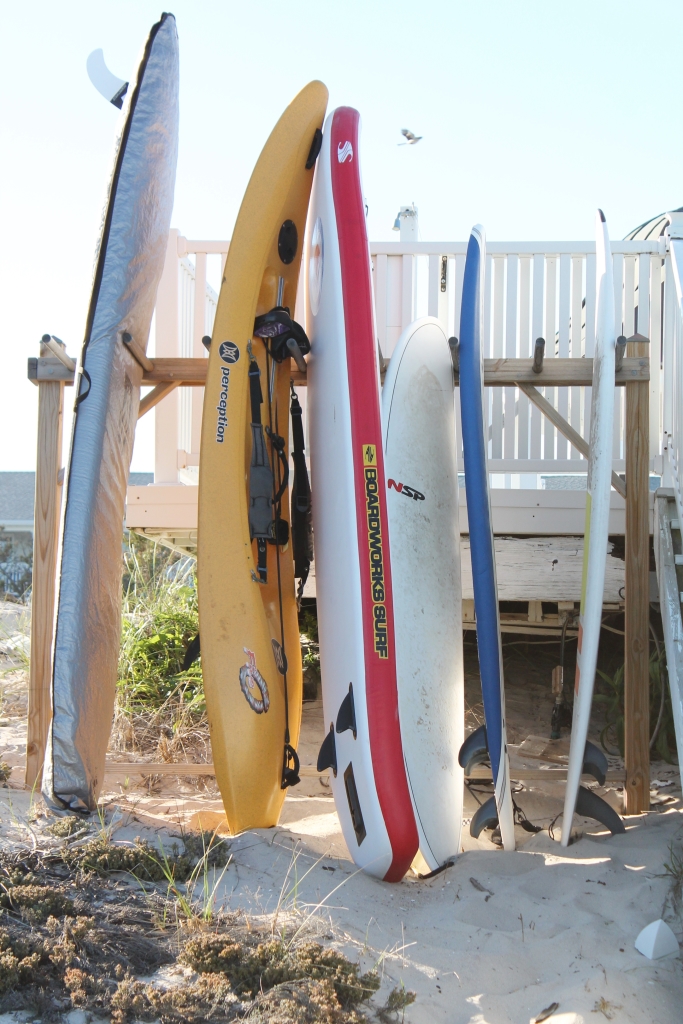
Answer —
(537, 307)
(45, 540)
(523, 407)
(380, 283)
(498, 283)
(510, 397)
(558, 372)
(154, 397)
(636, 617)
(199, 329)
(497, 372)
(568, 431)
(563, 349)
(408, 273)
(549, 334)
(166, 344)
(123, 769)
(655, 335)
(575, 395)
(618, 272)
(589, 346)
(670, 603)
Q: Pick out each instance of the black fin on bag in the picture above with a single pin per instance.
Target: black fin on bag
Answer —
(474, 750)
(327, 757)
(595, 763)
(486, 817)
(590, 805)
(346, 716)
(192, 653)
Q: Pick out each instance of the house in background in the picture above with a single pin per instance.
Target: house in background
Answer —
(17, 491)
(17, 494)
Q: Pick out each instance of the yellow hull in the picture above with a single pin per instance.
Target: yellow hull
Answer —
(238, 616)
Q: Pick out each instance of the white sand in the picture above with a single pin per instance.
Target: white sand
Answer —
(541, 925)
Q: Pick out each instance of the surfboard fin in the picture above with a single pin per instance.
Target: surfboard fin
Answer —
(590, 805)
(346, 716)
(474, 750)
(595, 763)
(192, 653)
(486, 817)
(327, 756)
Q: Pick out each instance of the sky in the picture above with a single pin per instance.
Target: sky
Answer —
(532, 112)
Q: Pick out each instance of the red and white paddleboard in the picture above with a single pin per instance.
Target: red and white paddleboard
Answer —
(363, 745)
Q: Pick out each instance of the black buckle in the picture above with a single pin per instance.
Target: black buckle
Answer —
(290, 776)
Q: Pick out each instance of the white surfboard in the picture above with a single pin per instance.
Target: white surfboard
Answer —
(421, 467)
(352, 559)
(577, 799)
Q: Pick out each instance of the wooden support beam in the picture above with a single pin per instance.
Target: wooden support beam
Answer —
(154, 397)
(637, 611)
(503, 373)
(124, 769)
(572, 435)
(137, 352)
(45, 538)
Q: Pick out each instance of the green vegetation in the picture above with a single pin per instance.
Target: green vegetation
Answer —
(74, 937)
(160, 705)
(250, 970)
(610, 694)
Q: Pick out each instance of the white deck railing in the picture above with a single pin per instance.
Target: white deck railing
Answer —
(672, 360)
(533, 289)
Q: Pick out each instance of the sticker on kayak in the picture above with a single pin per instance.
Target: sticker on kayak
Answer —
(222, 407)
(410, 492)
(344, 152)
(229, 352)
(280, 657)
(374, 523)
(316, 263)
(253, 685)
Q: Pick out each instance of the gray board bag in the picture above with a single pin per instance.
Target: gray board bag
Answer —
(128, 266)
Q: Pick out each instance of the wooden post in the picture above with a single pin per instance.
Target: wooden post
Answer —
(45, 536)
(637, 589)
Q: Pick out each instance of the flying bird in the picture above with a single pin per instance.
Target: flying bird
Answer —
(411, 139)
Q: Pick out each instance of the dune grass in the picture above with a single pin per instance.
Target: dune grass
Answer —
(160, 707)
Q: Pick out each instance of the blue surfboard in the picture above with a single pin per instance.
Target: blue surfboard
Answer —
(488, 742)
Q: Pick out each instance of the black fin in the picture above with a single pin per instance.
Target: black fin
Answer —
(595, 763)
(316, 146)
(346, 716)
(192, 653)
(474, 750)
(590, 805)
(327, 756)
(437, 871)
(486, 817)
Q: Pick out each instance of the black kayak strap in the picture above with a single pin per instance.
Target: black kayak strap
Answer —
(301, 500)
(302, 490)
(255, 393)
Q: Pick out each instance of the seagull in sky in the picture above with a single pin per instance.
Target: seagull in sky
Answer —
(411, 139)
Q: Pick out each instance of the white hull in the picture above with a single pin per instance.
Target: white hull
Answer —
(422, 500)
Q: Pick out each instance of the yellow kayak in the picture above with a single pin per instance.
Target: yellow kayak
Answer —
(251, 658)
